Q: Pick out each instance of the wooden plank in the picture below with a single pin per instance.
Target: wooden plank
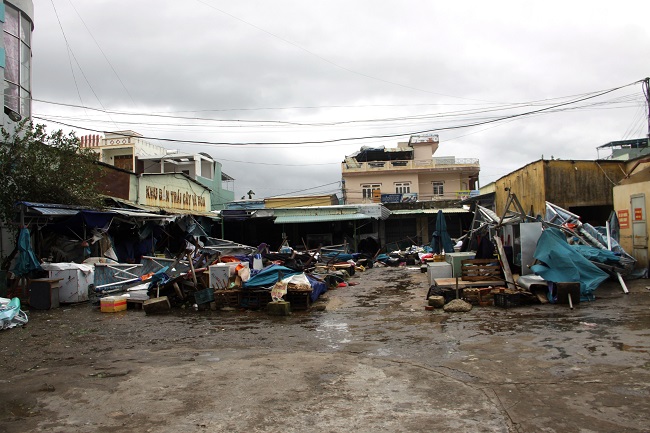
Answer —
(479, 261)
(156, 305)
(504, 263)
(451, 282)
(480, 270)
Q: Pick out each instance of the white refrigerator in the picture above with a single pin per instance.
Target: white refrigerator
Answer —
(75, 279)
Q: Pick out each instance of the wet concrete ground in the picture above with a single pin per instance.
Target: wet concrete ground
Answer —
(372, 360)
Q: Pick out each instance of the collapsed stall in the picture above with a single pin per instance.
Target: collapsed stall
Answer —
(556, 259)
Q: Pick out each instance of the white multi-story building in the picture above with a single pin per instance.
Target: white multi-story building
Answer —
(129, 151)
(407, 173)
(17, 22)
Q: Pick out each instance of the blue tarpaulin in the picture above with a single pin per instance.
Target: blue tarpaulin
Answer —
(561, 263)
(26, 260)
(598, 255)
(340, 257)
(317, 287)
(269, 276)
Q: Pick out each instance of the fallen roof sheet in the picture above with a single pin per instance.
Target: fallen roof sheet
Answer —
(429, 211)
(54, 211)
(132, 213)
(289, 219)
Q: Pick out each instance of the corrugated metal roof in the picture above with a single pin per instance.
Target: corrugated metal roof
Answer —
(370, 210)
(183, 212)
(449, 210)
(289, 219)
(126, 212)
(54, 211)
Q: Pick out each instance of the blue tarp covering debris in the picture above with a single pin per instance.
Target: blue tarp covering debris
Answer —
(561, 262)
(269, 276)
(317, 287)
(597, 255)
(26, 260)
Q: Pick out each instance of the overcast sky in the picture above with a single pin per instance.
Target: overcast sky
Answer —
(291, 72)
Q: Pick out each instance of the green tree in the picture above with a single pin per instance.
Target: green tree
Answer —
(45, 168)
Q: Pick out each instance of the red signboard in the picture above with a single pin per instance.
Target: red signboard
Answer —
(638, 214)
(624, 219)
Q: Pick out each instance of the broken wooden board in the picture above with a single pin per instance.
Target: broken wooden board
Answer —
(504, 263)
(480, 270)
(156, 305)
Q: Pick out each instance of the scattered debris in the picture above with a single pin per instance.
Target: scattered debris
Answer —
(457, 306)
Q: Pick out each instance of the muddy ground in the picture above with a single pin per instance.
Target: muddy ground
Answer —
(369, 358)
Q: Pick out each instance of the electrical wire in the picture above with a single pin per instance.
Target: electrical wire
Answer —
(102, 51)
(71, 52)
(393, 135)
(424, 117)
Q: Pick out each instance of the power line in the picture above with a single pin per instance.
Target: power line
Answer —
(404, 134)
(424, 117)
(68, 50)
(71, 52)
(102, 51)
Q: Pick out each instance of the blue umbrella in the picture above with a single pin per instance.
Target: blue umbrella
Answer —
(26, 260)
(441, 241)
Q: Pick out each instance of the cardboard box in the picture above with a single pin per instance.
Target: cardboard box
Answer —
(438, 270)
(113, 304)
(221, 274)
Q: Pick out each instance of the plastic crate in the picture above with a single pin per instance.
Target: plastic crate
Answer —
(507, 299)
(112, 304)
(299, 300)
(472, 295)
(204, 296)
(227, 298)
(254, 299)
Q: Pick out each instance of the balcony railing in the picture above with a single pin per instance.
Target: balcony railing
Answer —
(351, 165)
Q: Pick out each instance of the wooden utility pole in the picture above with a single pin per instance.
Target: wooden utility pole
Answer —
(646, 93)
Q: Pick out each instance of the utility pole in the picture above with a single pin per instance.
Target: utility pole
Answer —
(646, 93)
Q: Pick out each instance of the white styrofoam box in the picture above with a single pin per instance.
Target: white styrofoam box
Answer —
(220, 274)
(456, 259)
(75, 279)
(438, 270)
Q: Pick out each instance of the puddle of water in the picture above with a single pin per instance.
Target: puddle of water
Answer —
(628, 348)
(333, 333)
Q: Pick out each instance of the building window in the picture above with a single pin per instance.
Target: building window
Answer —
(368, 190)
(124, 162)
(18, 58)
(438, 188)
(402, 187)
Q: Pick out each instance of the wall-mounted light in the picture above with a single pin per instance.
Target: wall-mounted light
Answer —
(16, 117)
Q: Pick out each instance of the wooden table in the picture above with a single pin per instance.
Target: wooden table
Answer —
(453, 283)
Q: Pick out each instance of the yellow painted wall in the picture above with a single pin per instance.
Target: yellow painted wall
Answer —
(527, 184)
(454, 181)
(284, 202)
(173, 191)
(622, 204)
(353, 184)
(564, 183)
